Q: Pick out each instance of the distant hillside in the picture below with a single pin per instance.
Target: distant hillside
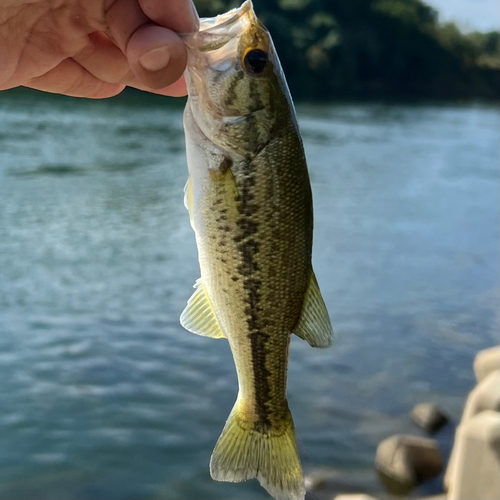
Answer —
(366, 49)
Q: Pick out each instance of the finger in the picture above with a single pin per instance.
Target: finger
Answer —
(156, 55)
(177, 89)
(69, 78)
(181, 15)
(103, 59)
(123, 18)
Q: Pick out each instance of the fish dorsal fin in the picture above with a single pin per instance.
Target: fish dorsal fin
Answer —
(314, 323)
(188, 199)
(198, 316)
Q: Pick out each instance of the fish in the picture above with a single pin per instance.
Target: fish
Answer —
(250, 204)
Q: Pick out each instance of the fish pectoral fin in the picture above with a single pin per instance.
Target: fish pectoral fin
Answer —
(314, 324)
(188, 199)
(199, 316)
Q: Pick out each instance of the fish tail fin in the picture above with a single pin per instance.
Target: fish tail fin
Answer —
(243, 452)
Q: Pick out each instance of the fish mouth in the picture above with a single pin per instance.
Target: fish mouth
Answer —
(225, 20)
(215, 32)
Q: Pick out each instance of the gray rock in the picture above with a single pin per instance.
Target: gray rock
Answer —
(428, 417)
(404, 461)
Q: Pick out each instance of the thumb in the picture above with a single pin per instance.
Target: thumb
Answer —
(156, 56)
(155, 53)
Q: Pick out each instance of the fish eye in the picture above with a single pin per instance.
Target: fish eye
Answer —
(255, 61)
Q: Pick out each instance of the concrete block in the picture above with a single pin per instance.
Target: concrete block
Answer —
(407, 460)
(485, 396)
(476, 468)
(486, 361)
(428, 417)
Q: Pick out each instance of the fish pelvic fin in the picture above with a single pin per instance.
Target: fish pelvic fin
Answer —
(314, 324)
(242, 453)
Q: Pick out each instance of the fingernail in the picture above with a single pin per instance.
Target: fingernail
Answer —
(155, 59)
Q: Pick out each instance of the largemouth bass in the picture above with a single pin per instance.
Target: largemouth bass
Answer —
(250, 205)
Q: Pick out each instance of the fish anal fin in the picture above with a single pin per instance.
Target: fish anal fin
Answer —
(314, 324)
(199, 316)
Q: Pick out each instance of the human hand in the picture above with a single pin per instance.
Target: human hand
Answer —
(95, 48)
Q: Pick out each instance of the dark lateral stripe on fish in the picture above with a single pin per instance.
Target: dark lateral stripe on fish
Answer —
(258, 341)
(248, 247)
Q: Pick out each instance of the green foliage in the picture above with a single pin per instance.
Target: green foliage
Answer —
(411, 12)
(486, 48)
(374, 49)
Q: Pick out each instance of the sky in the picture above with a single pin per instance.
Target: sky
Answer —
(470, 15)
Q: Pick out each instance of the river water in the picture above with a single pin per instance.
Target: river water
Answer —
(103, 395)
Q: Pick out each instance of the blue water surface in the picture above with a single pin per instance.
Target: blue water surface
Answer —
(103, 395)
